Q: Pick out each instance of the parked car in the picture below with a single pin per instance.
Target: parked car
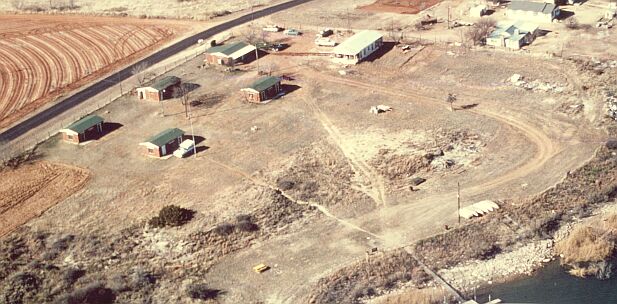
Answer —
(271, 28)
(292, 32)
(186, 147)
(325, 42)
(277, 47)
(325, 33)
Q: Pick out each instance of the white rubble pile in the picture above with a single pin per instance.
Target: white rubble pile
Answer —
(523, 260)
(536, 85)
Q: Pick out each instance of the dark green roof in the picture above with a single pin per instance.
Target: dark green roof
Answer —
(85, 123)
(166, 136)
(227, 49)
(264, 83)
(166, 82)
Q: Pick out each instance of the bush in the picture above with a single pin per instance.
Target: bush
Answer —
(285, 184)
(95, 293)
(202, 292)
(72, 275)
(243, 218)
(172, 216)
(247, 226)
(224, 229)
(20, 287)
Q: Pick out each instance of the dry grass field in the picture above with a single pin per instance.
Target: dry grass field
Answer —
(47, 57)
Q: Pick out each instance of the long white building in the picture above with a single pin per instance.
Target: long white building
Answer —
(358, 47)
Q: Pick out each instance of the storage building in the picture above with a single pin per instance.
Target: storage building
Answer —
(164, 143)
(263, 89)
(513, 36)
(358, 47)
(532, 11)
(87, 128)
(230, 54)
(160, 90)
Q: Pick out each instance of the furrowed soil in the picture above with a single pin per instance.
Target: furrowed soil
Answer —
(29, 190)
(43, 59)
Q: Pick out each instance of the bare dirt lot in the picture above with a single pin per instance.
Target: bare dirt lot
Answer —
(399, 7)
(45, 58)
(29, 190)
(321, 180)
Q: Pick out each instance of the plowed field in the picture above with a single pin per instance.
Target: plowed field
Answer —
(44, 57)
(29, 190)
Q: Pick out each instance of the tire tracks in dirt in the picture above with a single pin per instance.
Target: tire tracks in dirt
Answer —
(546, 147)
(373, 184)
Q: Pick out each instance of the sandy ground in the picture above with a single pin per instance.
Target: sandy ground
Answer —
(31, 189)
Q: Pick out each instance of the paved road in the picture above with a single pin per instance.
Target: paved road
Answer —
(102, 85)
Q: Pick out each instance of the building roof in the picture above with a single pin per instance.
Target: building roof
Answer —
(164, 137)
(165, 82)
(544, 8)
(227, 49)
(508, 30)
(264, 83)
(357, 43)
(85, 123)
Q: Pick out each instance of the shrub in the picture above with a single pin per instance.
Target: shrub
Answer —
(72, 275)
(285, 184)
(243, 218)
(172, 216)
(95, 293)
(202, 292)
(224, 229)
(247, 226)
(20, 287)
(142, 279)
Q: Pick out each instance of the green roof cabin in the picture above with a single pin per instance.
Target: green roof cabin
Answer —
(160, 90)
(263, 89)
(230, 54)
(87, 128)
(164, 143)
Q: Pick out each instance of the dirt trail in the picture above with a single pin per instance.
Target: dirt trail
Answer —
(373, 183)
(546, 147)
(319, 207)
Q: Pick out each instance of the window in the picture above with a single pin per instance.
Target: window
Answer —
(70, 137)
(150, 151)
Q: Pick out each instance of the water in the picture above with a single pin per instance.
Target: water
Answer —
(552, 284)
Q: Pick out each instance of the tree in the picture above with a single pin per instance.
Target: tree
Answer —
(183, 91)
(478, 32)
(451, 99)
(138, 71)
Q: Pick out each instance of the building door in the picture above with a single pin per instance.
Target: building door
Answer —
(141, 95)
(163, 150)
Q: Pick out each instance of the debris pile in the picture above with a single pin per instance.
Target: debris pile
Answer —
(380, 109)
(536, 85)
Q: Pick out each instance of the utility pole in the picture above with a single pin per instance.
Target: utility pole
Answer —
(448, 17)
(458, 200)
(192, 132)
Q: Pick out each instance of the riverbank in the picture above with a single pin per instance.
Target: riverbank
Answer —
(521, 263)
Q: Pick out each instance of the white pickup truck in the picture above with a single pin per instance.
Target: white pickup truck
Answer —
(325, 42)
(186, 147)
